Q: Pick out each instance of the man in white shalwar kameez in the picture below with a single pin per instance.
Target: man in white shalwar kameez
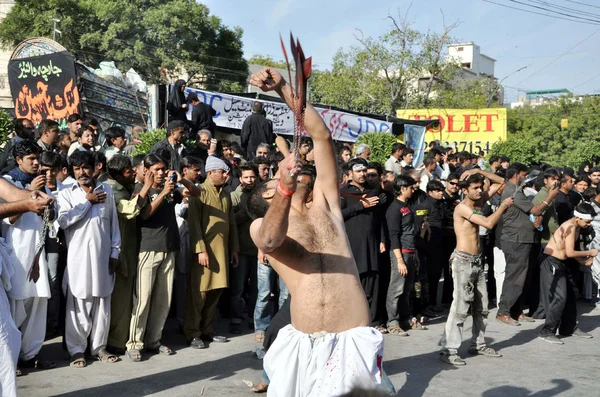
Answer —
(20, 201)
(28, 298)
(88, 216)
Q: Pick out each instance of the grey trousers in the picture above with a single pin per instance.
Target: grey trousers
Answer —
(469, 291)
(398, 295)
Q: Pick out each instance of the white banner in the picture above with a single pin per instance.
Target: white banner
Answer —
(233, 110)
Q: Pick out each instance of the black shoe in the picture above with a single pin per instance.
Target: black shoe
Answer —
(235, 328)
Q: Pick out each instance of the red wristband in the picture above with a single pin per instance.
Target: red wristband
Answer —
(285, 193)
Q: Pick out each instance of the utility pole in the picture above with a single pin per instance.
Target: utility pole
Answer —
(54, 30)
(495, 90)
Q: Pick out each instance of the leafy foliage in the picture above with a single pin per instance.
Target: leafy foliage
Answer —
(6, 126)
(158, 38)
(266, 60)
(148, 139)
(381, 145)
(535, 134)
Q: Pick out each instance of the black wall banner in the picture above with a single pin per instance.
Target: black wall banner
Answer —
(44, 87)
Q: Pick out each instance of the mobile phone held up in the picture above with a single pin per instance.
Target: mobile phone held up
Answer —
(173, 177)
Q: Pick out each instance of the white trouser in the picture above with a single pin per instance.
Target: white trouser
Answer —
(323, 364)
(30, 317)
(10, 346)
(499, 271)
(87, 319)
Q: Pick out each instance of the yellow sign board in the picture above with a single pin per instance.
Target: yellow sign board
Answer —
(564, 124)
(470, 130)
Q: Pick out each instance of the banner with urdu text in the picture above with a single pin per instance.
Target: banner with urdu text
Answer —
(233, 110)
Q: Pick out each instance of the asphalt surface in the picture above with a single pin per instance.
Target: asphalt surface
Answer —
(529, 366)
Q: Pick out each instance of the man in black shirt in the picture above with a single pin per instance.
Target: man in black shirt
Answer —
(256, 130)
(202, 115)
(562, 203)
(364, 226)
(432, 211)
(403, 254)
(451, 199)
(159, 240)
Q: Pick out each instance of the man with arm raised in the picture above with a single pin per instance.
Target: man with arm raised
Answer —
(324, 349)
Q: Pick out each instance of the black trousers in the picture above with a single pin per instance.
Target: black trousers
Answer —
(517, 262)
(486, 249)
(370, 283)
(449, 246)
(280, 320)
(557, 289)
(531, 290)
(434, 258)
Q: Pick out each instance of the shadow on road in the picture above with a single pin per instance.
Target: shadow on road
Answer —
(562, 385)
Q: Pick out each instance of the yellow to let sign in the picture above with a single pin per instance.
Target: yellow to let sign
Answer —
(470, 130)
(564, 124)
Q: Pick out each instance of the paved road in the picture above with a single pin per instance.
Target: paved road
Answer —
(530, 367)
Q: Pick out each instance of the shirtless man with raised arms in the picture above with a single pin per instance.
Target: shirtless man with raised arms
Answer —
(329, 348)
(467, 268)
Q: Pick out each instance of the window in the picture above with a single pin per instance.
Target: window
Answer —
(466, 65)
(460, 49)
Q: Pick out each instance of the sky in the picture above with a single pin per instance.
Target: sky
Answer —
(514, 38)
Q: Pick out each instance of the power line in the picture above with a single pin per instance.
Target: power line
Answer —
(560, 56)
(556, 12)
(539, 13)
(566, 9)
(587, 81)
(583, 4)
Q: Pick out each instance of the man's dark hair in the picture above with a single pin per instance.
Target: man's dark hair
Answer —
(376, 166)
(261, 160)
(90, 121)
(564, 178)
(472, 179)
(223, 143)
(435, 185)
(138, 159)
(505, 159)
(79, 158)
(117, 164)
(590, 193)
(514, 169)
(398, 146)
(257, 107)
(21, 130)
(50, 159)
(452, 176)
(46, 125)
(248, 167)
(493, 159)
(595, 169)
(434, 151)
(407, 151)
(74, 117)
(24, 148)
(83, 129)
(586, 209)
(310, 171)
(402, 181)
(175, 125)
(551, 173)
(192, 97)
(428, 161)
(464, 156)
(236, 147)
(164, 154)
(100, 158)
(152, 159)
(582, 178)
(190, 162)
(452, 156)
(345, 168)
(257, 206)
(113, 133)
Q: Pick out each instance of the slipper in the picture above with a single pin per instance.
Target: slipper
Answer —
(106, 357)
(416, 325)
(78, 361)
(259, 337)
(381, 329)
(36, 363)
(134, 355)
(19, 372)
(396, 330)
(260, 388)
(162, 349)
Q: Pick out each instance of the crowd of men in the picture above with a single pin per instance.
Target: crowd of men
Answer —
(118, 238)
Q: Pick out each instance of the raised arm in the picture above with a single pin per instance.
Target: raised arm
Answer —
(270, 79)
(497, 182)
(480, 220)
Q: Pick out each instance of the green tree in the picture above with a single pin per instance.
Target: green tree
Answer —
(158, 38)
(380, 143)
(266, 60)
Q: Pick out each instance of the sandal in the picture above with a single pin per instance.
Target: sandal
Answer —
(396, 330)
(382, 329)
(78, 361)
(260, 388)
(163, 350)
(259, 337)
(416, 325)
(106, 357)
(134, 355)
(36, 363)
(19, 372)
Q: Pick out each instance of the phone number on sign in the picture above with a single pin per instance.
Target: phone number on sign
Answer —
(468, 146)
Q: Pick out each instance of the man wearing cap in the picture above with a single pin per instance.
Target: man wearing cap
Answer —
(256, 130)
(202, 115)
(214, 243)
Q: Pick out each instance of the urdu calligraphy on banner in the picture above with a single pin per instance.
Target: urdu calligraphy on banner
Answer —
(233, 110)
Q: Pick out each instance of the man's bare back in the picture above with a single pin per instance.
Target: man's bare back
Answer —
(562, 244)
